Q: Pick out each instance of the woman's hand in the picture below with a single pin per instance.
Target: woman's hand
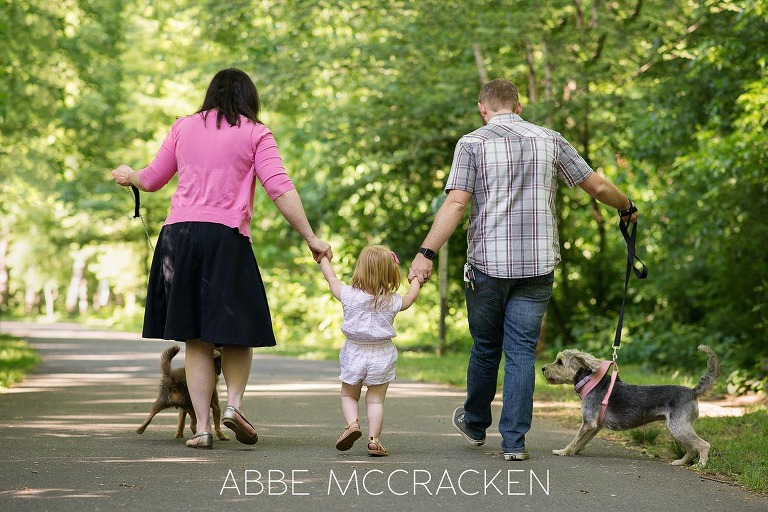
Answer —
(320, 249)
(122, 175)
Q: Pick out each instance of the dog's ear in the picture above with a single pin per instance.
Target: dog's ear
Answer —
(587, 361)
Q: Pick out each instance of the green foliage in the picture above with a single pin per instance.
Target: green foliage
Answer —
(741, 382)
(710, 151)
(17, 359)
(667, 98)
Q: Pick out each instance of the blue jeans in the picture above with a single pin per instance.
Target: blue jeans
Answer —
(504, 315)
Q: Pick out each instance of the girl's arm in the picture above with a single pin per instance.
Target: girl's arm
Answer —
(333, 282)
(413, 293)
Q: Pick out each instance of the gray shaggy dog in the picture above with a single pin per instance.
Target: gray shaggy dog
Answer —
(631, 406)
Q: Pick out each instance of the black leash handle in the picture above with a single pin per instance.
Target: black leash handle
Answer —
(630, 237)
(136, 202)
(137, 214)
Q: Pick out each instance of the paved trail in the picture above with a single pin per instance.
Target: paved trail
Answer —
(69, 444)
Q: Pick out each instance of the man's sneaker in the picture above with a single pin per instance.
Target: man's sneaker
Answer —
(461, 426)
(517, 456)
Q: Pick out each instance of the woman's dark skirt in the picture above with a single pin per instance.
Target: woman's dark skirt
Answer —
(205, 284)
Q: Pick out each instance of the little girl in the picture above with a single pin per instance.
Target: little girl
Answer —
(368, 356)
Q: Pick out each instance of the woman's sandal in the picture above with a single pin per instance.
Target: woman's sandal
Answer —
(377, 450)
(202, 440)
(236, 422)
(351, 434)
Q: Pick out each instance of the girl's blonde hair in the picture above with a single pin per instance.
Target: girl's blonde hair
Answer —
(377, 273)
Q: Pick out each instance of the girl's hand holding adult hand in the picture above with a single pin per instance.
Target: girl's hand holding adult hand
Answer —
(421, 269)
(320, 249)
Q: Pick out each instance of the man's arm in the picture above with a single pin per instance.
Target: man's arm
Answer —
(446, 221)
(607, 193)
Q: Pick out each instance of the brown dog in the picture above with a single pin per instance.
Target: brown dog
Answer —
(174, 393)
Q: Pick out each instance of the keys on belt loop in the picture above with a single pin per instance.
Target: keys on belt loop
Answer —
(469, 276)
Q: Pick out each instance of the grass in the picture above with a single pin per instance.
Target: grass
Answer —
(647, 436)
(17, 359)
(739, 452)
(740, 448)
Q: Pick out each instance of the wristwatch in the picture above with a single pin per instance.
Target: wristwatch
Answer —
(428, 253)
(629, 211)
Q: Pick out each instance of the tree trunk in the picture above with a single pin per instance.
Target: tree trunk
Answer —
(532, 78)
(130, 303)
(3, 272)
(481, 71)
(560, 321)
(82, 297)
(74, 290)
(50, 294)
(31, 300)
(548, 94)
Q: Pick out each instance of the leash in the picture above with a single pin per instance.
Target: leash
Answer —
(630, 237)
(587, 384)
(137, 213)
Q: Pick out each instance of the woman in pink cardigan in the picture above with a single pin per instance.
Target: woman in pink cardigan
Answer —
(205, 288)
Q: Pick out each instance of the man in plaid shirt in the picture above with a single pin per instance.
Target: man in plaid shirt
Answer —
(507, 173)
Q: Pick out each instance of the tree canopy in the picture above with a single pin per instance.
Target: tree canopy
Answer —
(667, 98)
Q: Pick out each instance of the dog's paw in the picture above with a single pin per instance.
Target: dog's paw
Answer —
(222, 436)
(563, 453)
(179, 434)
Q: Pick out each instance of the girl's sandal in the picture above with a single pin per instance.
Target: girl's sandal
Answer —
(375, 449)
(351, 434)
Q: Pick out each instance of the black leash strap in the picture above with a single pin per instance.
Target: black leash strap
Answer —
(137, 213)
(136, 202)
(630, 237)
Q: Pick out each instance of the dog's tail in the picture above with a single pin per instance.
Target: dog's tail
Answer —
(708, 380)
(165, 359)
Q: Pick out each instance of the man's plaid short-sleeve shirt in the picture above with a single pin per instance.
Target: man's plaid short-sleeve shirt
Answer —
(511, 168)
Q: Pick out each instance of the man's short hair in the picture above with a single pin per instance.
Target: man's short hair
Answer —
(499, 94)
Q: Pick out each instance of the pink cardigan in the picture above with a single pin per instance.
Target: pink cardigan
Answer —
(217, 170)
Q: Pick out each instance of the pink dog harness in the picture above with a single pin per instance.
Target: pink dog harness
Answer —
(588, 383)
